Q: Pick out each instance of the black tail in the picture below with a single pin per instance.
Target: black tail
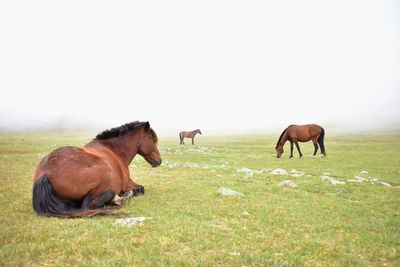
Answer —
(45, 202)
(321, 141)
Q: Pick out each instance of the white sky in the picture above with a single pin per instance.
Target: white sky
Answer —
(199, 64)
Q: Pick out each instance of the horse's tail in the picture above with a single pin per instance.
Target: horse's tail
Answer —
(45, 202)
(181, 137)
(320, 141)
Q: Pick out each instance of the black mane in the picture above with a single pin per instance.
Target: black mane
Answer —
(280, 137)
(123, 129)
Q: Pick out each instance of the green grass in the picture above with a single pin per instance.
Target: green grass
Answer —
(317, 224)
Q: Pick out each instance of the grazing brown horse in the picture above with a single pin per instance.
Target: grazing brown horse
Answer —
(301, 133)
(192, 134)
(77, 182)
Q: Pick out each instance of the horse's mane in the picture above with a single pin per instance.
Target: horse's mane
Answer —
(124, 129)
(280, 137)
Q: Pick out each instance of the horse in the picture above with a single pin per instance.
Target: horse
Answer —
(301, 133)
(192, 134)
(78, 182)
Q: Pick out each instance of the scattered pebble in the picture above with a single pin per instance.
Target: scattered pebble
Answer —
(364, 178)
(172, 165)
(131, 221)
(229, 192)
(295, 173)
(288, 184)
(192, 165)
(266, 170)
(280, 172)
(332, 180)
(245, 213)
(247, 172)
(384, 184)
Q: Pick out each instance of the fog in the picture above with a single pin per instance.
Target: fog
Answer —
(214, 65)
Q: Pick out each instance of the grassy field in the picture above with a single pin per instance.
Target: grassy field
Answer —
(191, 224)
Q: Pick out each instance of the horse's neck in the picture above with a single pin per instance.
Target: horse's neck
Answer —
(125, 147)
(284, 139)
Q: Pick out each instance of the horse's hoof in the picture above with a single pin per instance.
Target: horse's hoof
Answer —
(127, 194)
(138, 190)
(290, 157)
(117, 200)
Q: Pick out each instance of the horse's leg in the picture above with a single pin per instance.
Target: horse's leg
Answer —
(192, 140)
(90, 202)
(291, 149)
(132, 189)
(298, 148)
(315, 147)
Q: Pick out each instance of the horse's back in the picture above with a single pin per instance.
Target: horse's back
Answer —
(304, 133)
(70, 168)
(185, 134)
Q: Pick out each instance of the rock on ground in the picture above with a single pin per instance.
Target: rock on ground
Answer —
(288, 184)
(332, 180)
(296, 173)
(228, 192)
(280, 172)
(247, 172)
(131, 221)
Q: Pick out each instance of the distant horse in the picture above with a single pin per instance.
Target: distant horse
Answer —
(301, 133)
(192, 134)
(77, 182)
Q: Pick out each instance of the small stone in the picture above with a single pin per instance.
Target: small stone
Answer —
(192, 165)
(336, 182)
(361, 179)
(288, 184)
(131, 221)
(266, 170)
(385, 184)
(245, 213)
(280, 172)
(296, 173)
(247, 172)
(332, 180)
(229, 192)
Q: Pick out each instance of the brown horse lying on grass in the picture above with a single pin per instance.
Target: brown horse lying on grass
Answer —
(192, 134)
(301, 133)
(78, 182)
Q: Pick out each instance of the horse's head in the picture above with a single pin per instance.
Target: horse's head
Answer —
(148, 147)
(279, 150)
(198, 130)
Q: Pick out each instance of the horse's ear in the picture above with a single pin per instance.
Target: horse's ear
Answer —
(147, 126)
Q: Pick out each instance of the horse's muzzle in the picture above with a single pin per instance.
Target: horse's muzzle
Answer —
(156, 163)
